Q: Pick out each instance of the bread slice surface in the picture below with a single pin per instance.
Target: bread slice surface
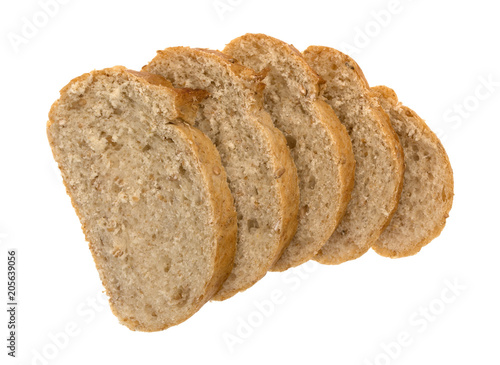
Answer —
(427, 194)
(150, 192)
(319, 143)
(378, 154)
(261, 172)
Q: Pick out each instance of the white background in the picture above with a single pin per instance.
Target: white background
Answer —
(435, 54)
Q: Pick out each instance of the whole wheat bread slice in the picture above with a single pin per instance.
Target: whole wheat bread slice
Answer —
(427, 194)
(319, 143)
(150, 192)
(378, 153)
(261, 173)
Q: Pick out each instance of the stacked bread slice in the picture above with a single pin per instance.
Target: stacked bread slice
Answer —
(261, 173)
(378, 153)
(318, 142)
(207, 169)
(150, 192)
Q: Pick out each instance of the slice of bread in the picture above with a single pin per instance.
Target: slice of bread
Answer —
(261, 172)
(378, 153)
(319, 143)
(427, 194)
(150, 192)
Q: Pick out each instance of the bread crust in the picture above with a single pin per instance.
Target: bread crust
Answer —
(278, 153)
(328, 255)
(408, 247)
(208, 160)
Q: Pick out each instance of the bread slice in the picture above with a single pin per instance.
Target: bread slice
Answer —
(319, 143)
(427, 194)
(379, 156)
(261, 173)
(150, 192)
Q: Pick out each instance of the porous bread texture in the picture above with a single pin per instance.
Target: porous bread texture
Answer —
(378, 153)
(151, 196)
(427, 194)
(319, 143)
(260, 170)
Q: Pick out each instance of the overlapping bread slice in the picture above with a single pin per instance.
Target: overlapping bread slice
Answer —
(319, 143)
(150, 192)
(261, 173)
(378, 153)
(427, 194)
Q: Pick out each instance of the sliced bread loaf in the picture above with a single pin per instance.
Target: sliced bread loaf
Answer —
(319, 143)
(261, 173)
(427, 194)
(150, 192)
(378, 153)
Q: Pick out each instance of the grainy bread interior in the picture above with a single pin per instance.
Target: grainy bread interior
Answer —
(427, 194)
(151, 196)
(319, 143)
(261, 173)
(378, 153)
